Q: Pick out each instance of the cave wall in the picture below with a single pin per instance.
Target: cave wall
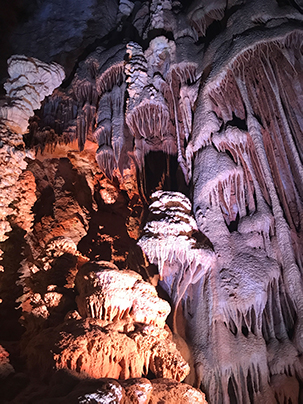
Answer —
(156, 144)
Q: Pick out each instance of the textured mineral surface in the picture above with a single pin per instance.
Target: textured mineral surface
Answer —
(151, 201)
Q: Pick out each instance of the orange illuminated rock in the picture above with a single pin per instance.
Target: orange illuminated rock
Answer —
(5, 367)
(109, 294)
(170, 392)
(90, 348)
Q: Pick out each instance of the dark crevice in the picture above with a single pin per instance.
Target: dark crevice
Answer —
(202, 240)
(231, 391)
(13, 248)
(186, 4)
(217, 26)
(245, 331)
(154, 33)
(253, 327)
(162, 172)
(229, 155)
(214, 29)
(250, 388)
(126, 34)
(232, 327)
(237, 122)
(44, 206)
(233, 225)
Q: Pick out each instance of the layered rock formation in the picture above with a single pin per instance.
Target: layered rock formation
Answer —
(163, 175)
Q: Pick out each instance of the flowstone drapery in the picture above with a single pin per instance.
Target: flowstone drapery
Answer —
(247, 200)
(170, 157)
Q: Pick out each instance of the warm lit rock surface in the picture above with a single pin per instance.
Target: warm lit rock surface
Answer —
(123, 335)
(109, 294)
(168, 391)
(5, 367)
(88, 348)
(30, 82)
(166, 167)
(12, 163)
(131, 391)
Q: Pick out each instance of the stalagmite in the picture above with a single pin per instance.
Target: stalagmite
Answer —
(12, 163)
(30, 81)
(123, 333)
(168, 242)
(100, 287)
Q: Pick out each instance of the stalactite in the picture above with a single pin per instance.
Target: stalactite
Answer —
(149, 120)
(167, 241)
(186, 105)
(223, 183)
(177, 76)
(155, 115)
(286, 388)
(110, 122)
(202, 14)
(272, 81)
(85, 123)
(245, 281)
(292, 276)
(205, 124)
(85, 91)
(106, 160)
(117, 141)
(136, 73)
(113, 76)
(58, 111)
(230, 381)
(248, 92)
(102, 133)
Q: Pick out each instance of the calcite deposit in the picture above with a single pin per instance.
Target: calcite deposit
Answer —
(107, 294)
(12, 160)
(30, 81)
(151, 202)
(114, 328)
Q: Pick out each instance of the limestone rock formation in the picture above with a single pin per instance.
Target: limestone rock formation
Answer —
(5, 367)
(164, 173)
(131, 391)
(12, 163)
(120, 332)
(171, 392)
(170, 241)
(107, 294)
(89, 348)
(30, 82)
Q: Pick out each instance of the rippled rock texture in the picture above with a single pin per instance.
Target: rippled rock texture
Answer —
(151, 205)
